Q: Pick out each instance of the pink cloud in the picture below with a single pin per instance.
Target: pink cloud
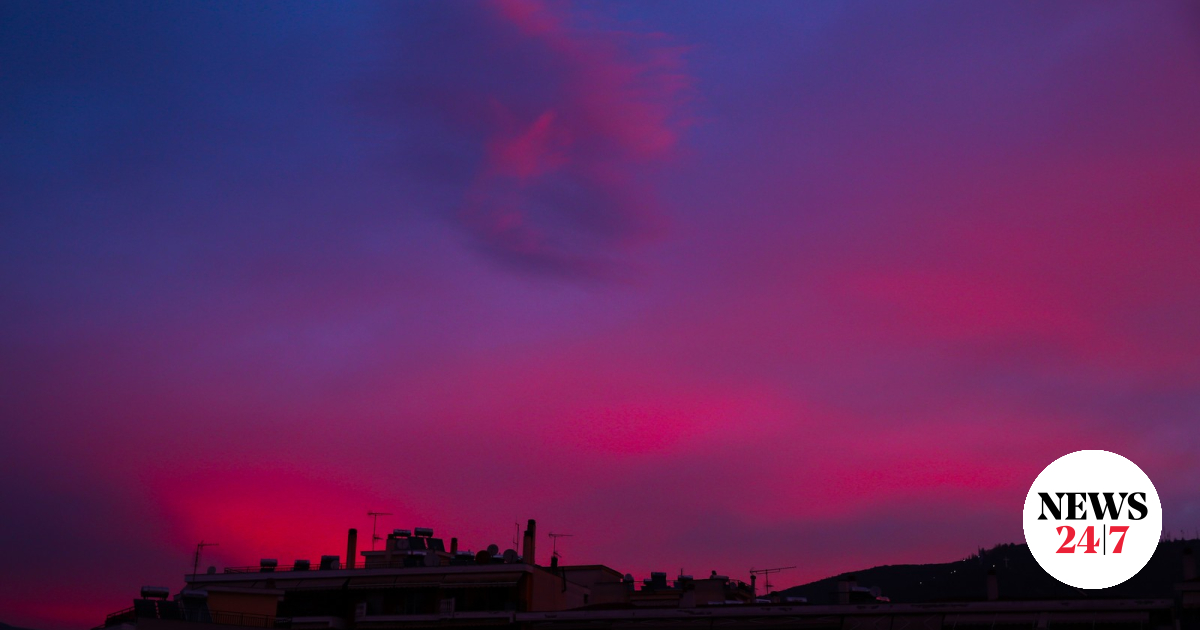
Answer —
(568, 177)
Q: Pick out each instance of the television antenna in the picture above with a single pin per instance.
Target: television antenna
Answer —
(554, 543)
(375, 521)
(196, 562)
(766, 573)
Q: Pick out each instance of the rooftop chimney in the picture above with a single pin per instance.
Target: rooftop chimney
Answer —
(993, 587)
(529, 556)
(453, 545)
(351, 545)
(1189, 564)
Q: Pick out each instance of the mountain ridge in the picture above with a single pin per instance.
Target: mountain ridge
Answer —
(1018, 575)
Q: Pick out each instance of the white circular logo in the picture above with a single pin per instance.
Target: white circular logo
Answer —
(1092, 519)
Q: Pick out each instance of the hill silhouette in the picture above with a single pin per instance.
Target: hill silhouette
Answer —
(4, 626)
(1019, 577)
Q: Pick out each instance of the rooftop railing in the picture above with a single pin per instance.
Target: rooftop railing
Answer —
(400, 562)
(119, 617)
(201, 614)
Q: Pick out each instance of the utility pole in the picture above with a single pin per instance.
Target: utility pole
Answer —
(196, 562)
(554, 544)
(766, 573)
(375, 521)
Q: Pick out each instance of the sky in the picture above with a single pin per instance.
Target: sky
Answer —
(705, 285)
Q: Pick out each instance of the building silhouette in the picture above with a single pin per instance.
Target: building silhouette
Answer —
(418, 582)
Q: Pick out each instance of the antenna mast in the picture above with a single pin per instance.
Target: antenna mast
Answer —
(375, 521)
(554, 544)
(766, 573)
(196, 563)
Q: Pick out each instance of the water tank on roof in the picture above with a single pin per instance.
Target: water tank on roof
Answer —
(330, 562)
(424, 532)
(155, 592)
(401, 533)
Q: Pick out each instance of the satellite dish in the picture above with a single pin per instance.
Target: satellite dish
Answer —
(493, 550)
(628, 577)
(483, 557)
(510, 556)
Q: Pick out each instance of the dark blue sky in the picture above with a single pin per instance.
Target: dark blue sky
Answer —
(837, 280)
